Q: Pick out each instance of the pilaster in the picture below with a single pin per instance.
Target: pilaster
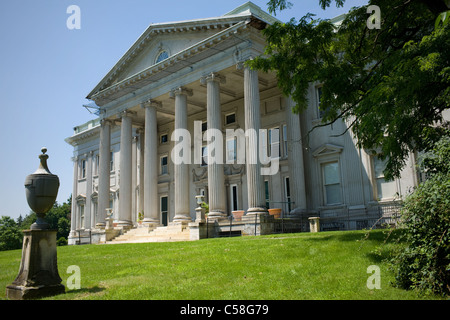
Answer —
(295, 158)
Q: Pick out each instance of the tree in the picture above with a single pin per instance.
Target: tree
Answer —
(390, 85)
(57, 217)
(10, 235)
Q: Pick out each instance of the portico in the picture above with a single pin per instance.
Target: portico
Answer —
(173, 76)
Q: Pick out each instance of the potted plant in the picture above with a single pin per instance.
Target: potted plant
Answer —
(276, 212)
(206, 207)
(140, 218)
(237, 214)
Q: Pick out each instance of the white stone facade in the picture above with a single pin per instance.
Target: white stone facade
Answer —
(179, 73)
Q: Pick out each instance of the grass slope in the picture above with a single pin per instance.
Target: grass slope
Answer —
(327, 265)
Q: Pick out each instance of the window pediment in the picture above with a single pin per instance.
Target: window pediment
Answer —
(327, 149)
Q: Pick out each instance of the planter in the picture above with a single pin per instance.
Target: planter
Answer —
(276, 213)
(237, 215)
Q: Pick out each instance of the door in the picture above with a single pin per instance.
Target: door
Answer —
(164, 210)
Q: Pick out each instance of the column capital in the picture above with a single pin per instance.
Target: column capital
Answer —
(125, 113)
(105, 122)
(213, 76)
(241, 64)
(181, 90)
(151, 103)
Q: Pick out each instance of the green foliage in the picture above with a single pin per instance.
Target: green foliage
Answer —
(390, 84)
(205, 206)
(58, 218)
(425, 261)
(10, 235)
(61, 242)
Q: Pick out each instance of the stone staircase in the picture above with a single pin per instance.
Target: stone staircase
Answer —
(173, 232)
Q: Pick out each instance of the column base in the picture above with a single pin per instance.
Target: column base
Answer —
(150, 223)
(100, 226)
(257, 210)
(182, 218)
(125, 224)
(217, 215)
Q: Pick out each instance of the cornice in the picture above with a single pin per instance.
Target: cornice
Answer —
(82, 136)
(152, 73)
(142, 42)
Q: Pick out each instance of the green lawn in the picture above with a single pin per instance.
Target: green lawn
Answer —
(326, 265)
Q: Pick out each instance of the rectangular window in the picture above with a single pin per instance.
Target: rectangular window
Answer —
(164, 210)
(271, 141)
(111, 161)
(81, 208)
(230, 118)
(385, 189)
(111, 206)
(95, 208)
(164, 165)
(231, 150)
(204, 156)
(285, 141)
(267, 193)
(274, 142)
(332, 183)
(204, 126)
(234, 197)
(164, 138)
(83, 169)
(287, 189)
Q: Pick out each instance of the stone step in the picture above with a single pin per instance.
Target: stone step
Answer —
(173, 232)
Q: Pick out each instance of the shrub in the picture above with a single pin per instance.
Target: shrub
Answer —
(61, 242)
(424, 262)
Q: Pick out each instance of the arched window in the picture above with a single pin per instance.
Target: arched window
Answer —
(163, 55)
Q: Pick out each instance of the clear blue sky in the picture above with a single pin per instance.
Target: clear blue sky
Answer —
(46, 71)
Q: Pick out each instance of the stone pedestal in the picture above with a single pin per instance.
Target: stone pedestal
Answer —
(199, 214)
(257, 224)
(198, 230)
(38, 274)
(314, 224)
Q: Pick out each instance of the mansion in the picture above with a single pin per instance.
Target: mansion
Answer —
(190, 76)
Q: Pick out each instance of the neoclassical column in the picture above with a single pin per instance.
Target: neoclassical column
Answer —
(151, 214)
(181, 170)
(125, 183)
(295, 158)
(141, 170)
(255, 181)
(216, 179)
(88, 214)
(74, 218)
(104, 172)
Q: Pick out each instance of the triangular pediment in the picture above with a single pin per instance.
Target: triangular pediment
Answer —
(162, 44)
(170, 39)
(327, 149)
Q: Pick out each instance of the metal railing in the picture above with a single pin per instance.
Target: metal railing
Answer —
(337, 219)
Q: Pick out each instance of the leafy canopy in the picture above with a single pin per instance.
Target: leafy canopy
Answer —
(389, 84)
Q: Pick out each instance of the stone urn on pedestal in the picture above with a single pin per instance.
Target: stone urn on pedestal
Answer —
(38, 274)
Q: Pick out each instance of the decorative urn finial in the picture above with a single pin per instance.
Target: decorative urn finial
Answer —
(41, 191)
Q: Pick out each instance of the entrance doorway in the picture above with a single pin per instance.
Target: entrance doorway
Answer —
(164, 210)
